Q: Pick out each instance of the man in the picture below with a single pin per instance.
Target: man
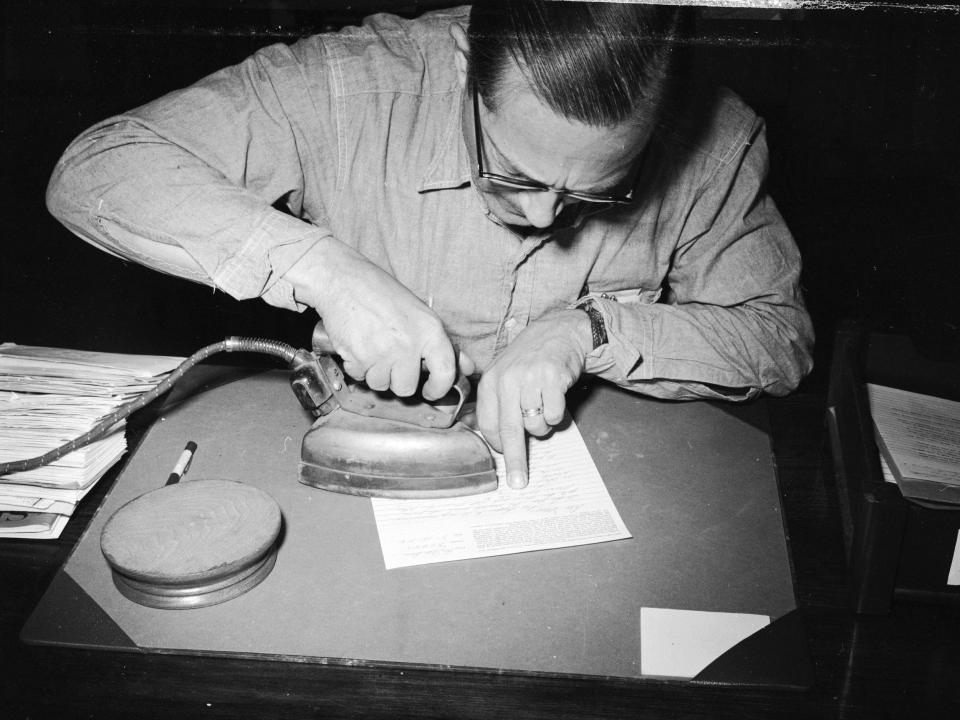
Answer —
(513, 184)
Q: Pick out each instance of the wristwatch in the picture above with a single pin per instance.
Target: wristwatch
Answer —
(597, 326)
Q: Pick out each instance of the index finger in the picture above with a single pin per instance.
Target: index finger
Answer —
(513, 440)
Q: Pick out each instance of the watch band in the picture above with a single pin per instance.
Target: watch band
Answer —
(597, 326)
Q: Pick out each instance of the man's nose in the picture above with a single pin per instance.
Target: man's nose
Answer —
(541, 208)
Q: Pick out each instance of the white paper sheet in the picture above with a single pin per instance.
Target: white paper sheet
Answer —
(953, 574)
(681, 643)
(887, 473)
(564, 504)
(33, 526)
(88, 364)
(23, 503)
(920, 432)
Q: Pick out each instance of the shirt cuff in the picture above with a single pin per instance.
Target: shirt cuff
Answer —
(258, 267)
(618, 358)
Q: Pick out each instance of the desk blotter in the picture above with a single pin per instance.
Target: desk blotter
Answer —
(694, 482)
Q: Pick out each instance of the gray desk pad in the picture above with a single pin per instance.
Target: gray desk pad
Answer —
(694, 483)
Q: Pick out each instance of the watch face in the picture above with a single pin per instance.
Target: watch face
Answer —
(597, 326)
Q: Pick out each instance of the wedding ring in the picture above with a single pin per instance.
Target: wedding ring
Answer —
(532, 413)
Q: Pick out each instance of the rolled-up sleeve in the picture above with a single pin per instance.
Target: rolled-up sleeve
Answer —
(732, 321)
(187, 184)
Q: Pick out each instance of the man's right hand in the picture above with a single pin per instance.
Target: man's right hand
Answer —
(381, 330)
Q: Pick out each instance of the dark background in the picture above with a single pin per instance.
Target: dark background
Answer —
(862, 105)
(863, 108)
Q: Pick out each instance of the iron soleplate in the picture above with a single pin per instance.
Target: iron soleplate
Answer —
(373, 457)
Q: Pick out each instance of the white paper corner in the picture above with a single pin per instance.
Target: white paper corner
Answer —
(681, 643)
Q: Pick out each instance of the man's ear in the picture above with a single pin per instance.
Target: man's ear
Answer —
(462, 51)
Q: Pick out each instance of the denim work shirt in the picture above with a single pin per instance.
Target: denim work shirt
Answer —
(357, 135)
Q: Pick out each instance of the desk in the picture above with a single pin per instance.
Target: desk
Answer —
(897, 666)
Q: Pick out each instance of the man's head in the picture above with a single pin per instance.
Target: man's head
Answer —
(568, 95)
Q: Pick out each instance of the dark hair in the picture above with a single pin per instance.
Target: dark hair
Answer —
(594, 62)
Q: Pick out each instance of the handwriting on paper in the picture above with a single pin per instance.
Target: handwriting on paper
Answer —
(566, 503)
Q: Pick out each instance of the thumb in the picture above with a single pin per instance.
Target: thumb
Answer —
(466, 364)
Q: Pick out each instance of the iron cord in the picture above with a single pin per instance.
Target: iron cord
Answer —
(232, 344)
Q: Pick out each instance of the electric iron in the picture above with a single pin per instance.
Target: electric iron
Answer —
(376, 444)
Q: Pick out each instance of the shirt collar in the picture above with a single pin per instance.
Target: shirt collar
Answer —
(450, 165)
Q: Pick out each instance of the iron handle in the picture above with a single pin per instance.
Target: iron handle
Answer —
(357, 398)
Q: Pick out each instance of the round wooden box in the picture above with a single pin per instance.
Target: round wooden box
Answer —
(192, 544)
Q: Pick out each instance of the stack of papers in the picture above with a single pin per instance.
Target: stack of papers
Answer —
(919, 441)
(49, 396)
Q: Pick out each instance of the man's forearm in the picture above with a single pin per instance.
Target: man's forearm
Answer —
(122, 189)
(703, 351)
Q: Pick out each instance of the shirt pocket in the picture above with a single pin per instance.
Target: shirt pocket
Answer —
(628, 296)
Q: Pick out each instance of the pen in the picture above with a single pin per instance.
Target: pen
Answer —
(183, 464)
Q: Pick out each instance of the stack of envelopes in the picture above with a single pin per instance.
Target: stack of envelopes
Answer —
(49, 396)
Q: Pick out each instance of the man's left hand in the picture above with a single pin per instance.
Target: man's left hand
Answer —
(524, 389)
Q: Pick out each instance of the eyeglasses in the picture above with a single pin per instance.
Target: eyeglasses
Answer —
(517, 183)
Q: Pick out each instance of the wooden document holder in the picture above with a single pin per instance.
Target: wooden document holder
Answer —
(895, 547)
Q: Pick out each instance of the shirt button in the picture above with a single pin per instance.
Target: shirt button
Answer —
(511, 323)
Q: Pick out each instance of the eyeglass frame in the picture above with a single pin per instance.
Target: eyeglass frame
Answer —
(525, 184)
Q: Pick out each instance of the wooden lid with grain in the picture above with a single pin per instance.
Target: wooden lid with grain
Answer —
(195, 533)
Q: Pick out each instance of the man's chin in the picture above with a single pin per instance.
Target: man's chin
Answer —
(520, 225)
(527, 230)
(516, 224)
(511, 220)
